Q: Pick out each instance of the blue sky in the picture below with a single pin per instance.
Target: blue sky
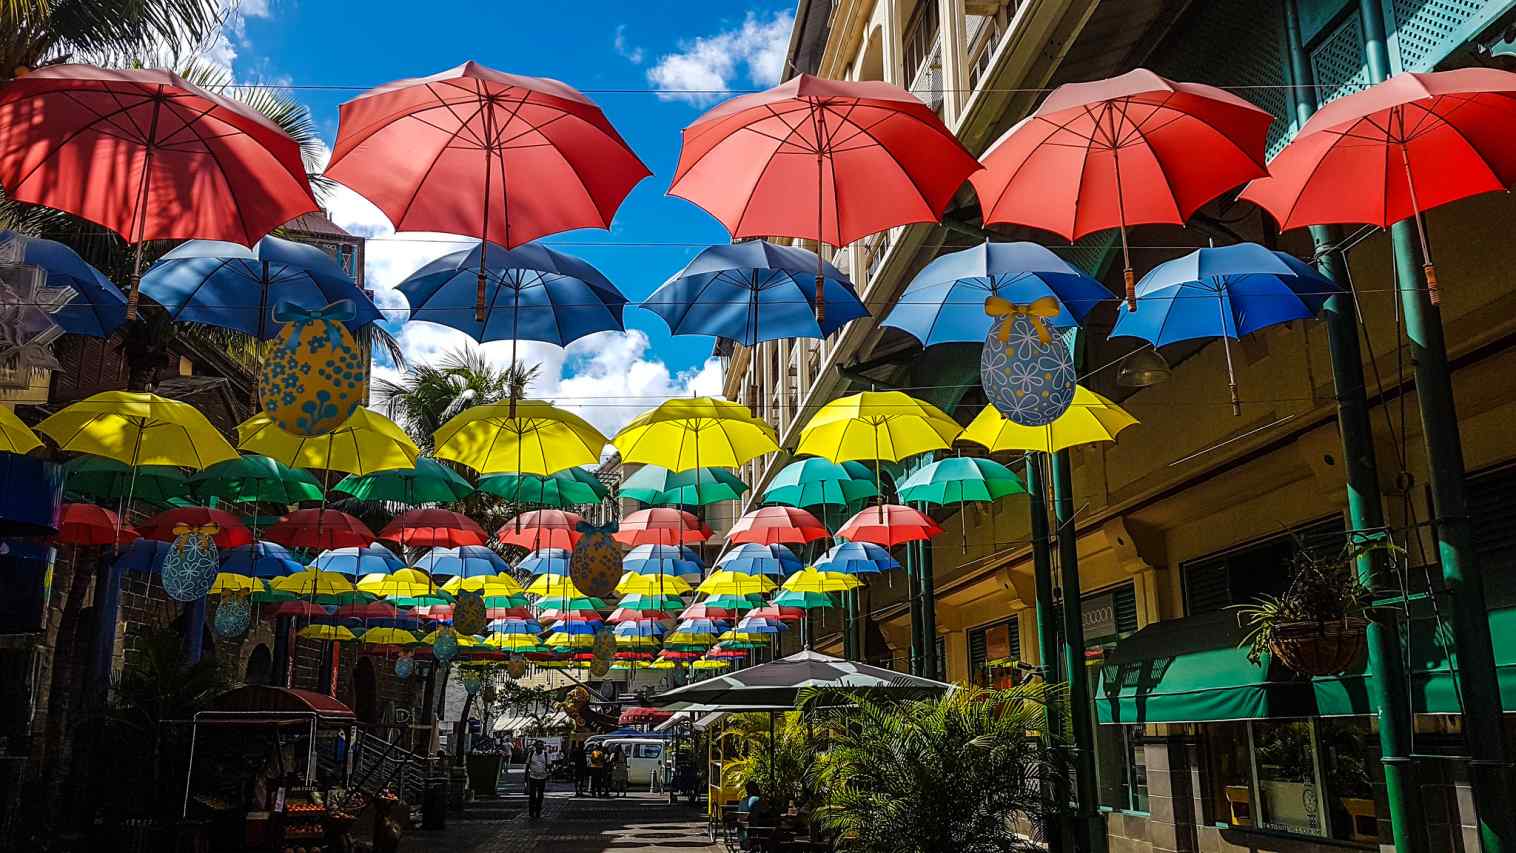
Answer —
(637, 60)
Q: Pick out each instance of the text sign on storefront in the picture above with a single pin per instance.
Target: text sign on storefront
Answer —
(1099, 616)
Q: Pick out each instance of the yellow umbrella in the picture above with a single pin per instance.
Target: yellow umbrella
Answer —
(557, 586)
(237, 583)
(707, 663)
(878, 425)
(658, 664)
(810, 580)
(326, 632)
(723, 582)
(388, 637)
(533, 438)
(366, 442)
(465, 641)
(513, 642)
(697, 432)
(15, 436)
(138, 429)
(401, 583)
(573, 641)
(484, 584)
(312, 582)
(685, 638)
(1090, 418)
(635, 584)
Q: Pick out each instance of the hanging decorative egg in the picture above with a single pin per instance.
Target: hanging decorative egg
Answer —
(1026, 369)
(445, 648)
(595, 565)
(469, 613)
(404, 666)
(515, 666)
(599, 668)
(472, 680)
(189, 568)
(605, 645)
(233, 615)
(316, 375)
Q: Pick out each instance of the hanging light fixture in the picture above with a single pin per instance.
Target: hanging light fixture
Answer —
(1142, 369)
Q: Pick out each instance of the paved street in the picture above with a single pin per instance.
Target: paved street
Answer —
(630, 824)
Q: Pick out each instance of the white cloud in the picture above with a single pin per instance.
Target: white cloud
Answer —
(629, 52)
(704, 68)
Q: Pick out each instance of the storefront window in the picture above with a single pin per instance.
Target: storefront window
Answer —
(1284, 768)
(1231, 772)
(1121, 768)
(991, 651)
(1349, 759)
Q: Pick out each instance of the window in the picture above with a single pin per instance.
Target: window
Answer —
(1241, 574)
(991, 650)
(941, 659)
(649, 750)
(1121, 772)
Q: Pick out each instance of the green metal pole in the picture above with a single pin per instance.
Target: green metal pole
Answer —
(928, 595)
(1055, 796)
(1088, 834)
(1490, 775)
(1365, 503)
(849, 618)
(912, 569)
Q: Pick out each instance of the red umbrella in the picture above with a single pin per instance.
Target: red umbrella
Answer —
(785, 614)
(662, 525)
(1127, 150)
(320, 529)
(542, 528)
(298, 609)
(774, 525)
(167, 526)
(701, 610)
(148, 155)
(476, 151)
(1395, 151)
(87, 524)
(827, 160)
(888, 525)
(434, 528)
(369, 610)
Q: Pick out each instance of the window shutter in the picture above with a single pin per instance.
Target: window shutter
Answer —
(1206, 586)
(1124, 601)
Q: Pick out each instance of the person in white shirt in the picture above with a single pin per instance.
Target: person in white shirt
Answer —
(536, 778)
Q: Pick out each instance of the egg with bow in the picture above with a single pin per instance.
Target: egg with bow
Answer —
(315, 375)
(1026, 369)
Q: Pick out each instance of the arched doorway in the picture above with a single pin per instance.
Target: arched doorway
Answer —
(260, 665)
(365, 692)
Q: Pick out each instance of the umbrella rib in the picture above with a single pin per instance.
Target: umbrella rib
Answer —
(836, 208)
(769, 161)
(1483, 160)
(221, 169)
(64, 142)
(1162, 170)
(426, 175)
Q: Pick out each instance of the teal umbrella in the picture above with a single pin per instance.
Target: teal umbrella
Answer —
(566, 488)
(429, 482)
(255, 478)
(960, 479)
(695, 487)
(815, 481)
(102, 479)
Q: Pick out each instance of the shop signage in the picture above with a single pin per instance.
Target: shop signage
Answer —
(1099, 616)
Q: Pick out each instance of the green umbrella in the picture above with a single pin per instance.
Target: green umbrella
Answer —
(805, 600)
(103, 479)
(816, 481)
(255, 478)
(960, 479)
(428, 483)
(566, 488)
(695, 487)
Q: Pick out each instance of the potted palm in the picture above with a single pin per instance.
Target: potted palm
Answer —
(1318, 626)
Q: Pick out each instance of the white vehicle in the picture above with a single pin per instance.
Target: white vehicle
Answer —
(644, 757)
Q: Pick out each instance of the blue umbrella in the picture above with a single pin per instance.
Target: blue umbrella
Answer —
(144, 556)
(751, 558)
(531, 293)
(546, 561)
(754, 291)
(1225, 293)
(944, 303)
(356, 562)
(234, 287)
(662, 560)
(98, 307)
(857, 558)
(468, 561)
(261, 560)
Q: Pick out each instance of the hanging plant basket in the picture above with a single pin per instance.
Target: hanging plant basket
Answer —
(1319, 648)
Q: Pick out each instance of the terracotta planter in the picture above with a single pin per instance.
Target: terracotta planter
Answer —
(1320, 648)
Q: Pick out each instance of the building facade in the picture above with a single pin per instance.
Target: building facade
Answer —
(1194, 510)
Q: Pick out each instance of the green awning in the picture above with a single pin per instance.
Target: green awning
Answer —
(1191, 670)
(1433, 671)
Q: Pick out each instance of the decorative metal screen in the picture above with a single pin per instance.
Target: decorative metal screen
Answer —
(1338, 61)
(1426, 29)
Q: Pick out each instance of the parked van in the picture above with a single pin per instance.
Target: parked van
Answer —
(644, 757)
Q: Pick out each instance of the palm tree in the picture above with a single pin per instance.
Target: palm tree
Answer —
(781, 764)
(429, 394)
(41, 32)
(946, 774)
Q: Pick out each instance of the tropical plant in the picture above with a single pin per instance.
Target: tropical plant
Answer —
(41, 32)
(951, 773)
(782, 765)
(427, 395)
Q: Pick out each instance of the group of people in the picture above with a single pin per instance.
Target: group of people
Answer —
(599, 768)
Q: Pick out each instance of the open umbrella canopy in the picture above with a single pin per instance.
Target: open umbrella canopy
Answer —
(656, 485)
(491, 586)
(635, 584)
(428, 482)
(15, 436)
(546, 561)
(312, 583)
(168, 525)
(662, 560)
(233, 287)
(686, 433)
(358, 560)
(105, 479)
(772, 525)
(553, 586)
(144, 556)
(466, 561)
(97, 308)
(366, 442)
(663, 604)
(722, 582)
(531, 293)
(960, 478)
(87, 524)
(777, 684)
(327, 632)
(814, 481)
(889, 525)
(252, 477)
(878, 425)
(567, 488)
(661, 526)
(320, 529)
(260, 560)
(137, 428)
(228, 582)
(752, 558)
(946, 301)
(857, 558)
(518, 437)
(434, 528)
(389, 637)
(542, 528)
(1091, 418)
(755, 291)
(401, 583)
(729, 603)
(816, 580)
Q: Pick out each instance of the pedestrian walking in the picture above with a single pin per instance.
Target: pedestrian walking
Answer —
(599, 761)
(536, 778)
(581, 767)
(618, 771)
